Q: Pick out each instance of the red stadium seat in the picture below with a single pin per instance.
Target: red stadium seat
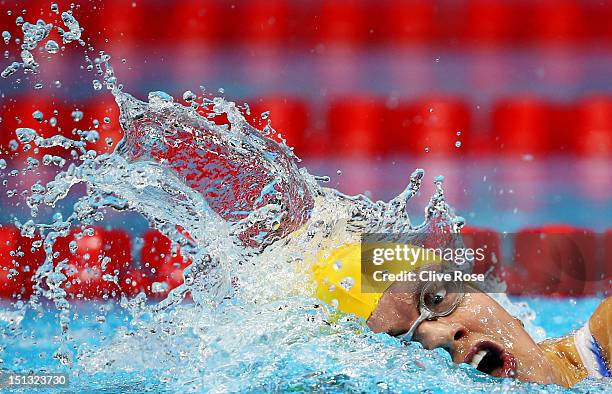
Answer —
(592, 134)
(157, 254)
(557, 260)
(598, 27)
(408, 22)
(18, 263)
(96, 265)
(527, 126)
(289, 118)
(491, 22)
(606, 285)
(105, 111)
(84, 13)
(432, 127)
(130, 26)
(19, 113)
(201, 22)
(263, 22)
(137, 280)
(355, 126)
(489, 242)
(553, 21)
(346, 22)
(515, 278)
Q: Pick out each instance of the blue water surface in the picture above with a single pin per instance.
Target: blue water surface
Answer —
(31, 345)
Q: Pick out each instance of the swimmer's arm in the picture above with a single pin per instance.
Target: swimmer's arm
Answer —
(601, 327)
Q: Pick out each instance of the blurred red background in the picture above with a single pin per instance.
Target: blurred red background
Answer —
(510, 100)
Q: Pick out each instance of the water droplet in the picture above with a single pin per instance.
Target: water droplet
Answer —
(334, 302)
(38, 86)
(265, 115)
(189, 96)
(221, 90)
(459, 133)
(458, 144)
(6, 36)
(10, 70)
(57, 84)
(159, 287)
(2, 164)
(347, 283)
(54, 7)
(97, 85)
(73, 247)
(38, 115)
(52, 47)
(426, 149)
(337, 265)
(160, 98)
(77, 115)
(339, 172)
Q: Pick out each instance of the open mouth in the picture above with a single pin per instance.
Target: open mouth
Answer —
(492, 359)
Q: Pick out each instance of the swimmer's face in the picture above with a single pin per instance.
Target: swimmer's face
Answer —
(479, 332)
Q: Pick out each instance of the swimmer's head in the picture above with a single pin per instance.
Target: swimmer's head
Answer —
(341, 283)
(478, 331)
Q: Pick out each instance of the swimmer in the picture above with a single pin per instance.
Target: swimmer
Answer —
(470, 325)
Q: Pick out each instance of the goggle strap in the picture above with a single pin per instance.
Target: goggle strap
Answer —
(425, 314)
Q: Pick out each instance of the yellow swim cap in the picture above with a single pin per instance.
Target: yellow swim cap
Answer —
(339, 277)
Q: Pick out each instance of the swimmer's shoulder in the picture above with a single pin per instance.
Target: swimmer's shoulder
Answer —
(601, 327)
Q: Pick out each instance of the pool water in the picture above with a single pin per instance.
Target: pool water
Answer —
(225, 194)
(120, 352)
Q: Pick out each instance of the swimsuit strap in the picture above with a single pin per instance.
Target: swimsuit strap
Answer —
(590, 353)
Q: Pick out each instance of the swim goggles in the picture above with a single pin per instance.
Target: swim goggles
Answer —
(436, 299)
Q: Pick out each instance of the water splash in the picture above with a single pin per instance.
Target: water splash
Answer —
(248, 218)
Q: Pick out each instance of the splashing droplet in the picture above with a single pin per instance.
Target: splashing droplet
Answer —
(77, 115)
(38, 115)
(52, 47)
(159, 98)
(347, 283)
(189, 96)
